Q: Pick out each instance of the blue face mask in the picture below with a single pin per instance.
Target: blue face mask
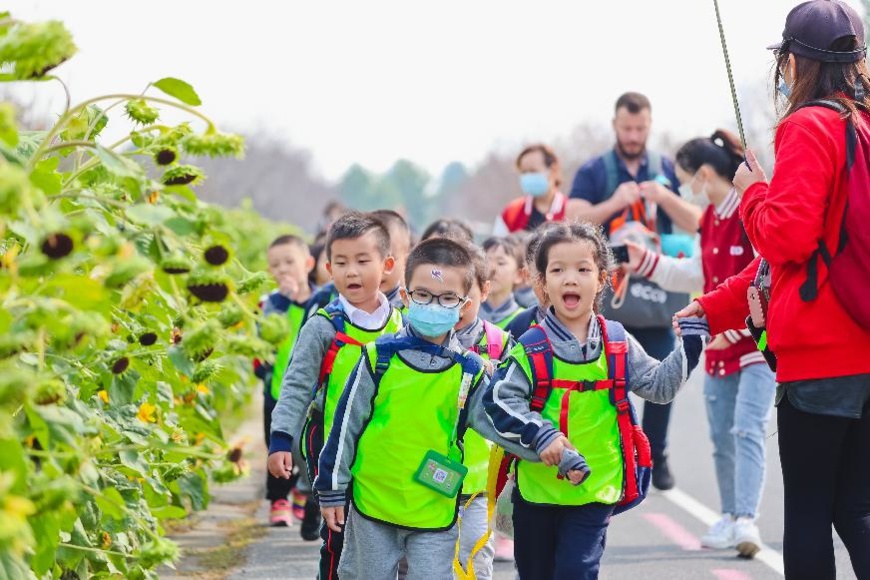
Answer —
(535, 184)
(432, 319)
(784, 89)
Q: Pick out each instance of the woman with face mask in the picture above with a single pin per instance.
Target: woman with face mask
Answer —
(540, 178)
(738, 386)
(808, 223)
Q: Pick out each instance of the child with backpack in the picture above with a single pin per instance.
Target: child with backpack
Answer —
(289, 263)
(489, 342)
(329, 346)
(505, 257)
(570, 377)
(399, 429)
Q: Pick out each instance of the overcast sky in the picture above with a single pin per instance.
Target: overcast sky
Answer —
(373, 81)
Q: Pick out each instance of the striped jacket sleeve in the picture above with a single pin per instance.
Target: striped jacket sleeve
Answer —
(674, 274)
(506, 403)
(353, 412)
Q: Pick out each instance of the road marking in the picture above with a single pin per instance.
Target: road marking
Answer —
(681, 499)
(674, 531)
(730, 575)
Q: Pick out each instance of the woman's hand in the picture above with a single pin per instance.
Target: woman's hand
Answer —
(748, 175)
(693, 309)
(718, 343)
(635, 255)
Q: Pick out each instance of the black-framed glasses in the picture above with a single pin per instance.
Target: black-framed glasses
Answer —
(447, 300)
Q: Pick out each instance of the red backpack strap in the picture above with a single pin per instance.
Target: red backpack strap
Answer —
(335, 315)
(540, 354)
(635, 447)
(515, 216)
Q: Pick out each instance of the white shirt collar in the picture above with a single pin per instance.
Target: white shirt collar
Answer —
(728, 206)
(363, 319)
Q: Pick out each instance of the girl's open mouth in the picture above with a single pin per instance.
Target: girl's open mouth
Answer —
(571, 299)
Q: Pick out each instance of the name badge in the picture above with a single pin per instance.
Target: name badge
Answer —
(441, 474)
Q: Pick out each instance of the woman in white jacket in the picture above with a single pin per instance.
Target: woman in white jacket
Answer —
(738, 386)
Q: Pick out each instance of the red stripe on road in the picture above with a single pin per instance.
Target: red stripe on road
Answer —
(731, 575)
(674, 531)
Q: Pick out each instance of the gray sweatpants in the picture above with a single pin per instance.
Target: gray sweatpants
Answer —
(473, 526)
(372, 551)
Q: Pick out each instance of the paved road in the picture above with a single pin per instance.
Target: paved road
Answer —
(658, 541)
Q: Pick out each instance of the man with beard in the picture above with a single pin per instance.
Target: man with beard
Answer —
(611, 190)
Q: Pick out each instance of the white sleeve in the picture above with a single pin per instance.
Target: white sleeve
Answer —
(674, 274)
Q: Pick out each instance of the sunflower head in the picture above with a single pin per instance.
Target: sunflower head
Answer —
(214, 144)
(183, 175)
(139, 111)
(31, 50)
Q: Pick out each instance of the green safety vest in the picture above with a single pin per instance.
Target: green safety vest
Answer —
(296, 316)
(503, 324)
(346, 356)
(592, 428)
(413, 412)
(477, 448)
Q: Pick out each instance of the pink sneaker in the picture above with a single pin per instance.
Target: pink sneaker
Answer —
(299, 501)
(504, 549)
(279, 515)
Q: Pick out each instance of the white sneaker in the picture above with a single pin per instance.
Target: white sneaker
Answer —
(747, 537)
(720, 536)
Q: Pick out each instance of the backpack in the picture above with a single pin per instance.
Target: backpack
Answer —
(636, 453)
(850, 262)
(494, 342)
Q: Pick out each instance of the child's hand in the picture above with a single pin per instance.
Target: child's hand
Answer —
(693, 309)
(280, 464)
(577, 476)
(334, 518)
(287, 286)
(718, 343)
(552, 455)
(490, 368)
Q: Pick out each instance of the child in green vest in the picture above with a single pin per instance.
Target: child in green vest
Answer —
(397, 438)
(490, 343)
(567, 377)
(329, 346)
(400, 246)
(289, 264)
(505, 257)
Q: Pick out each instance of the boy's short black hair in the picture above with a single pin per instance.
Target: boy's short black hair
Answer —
(355, 225)
(441, 252)
(392, 219)
(289, 240)
(510, 246)
(450, 228)
(482, 272)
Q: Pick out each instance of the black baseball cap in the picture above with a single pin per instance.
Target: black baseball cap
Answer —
(811, 28)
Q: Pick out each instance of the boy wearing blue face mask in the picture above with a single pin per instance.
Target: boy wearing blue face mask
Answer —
(540, 179)
(400, 426)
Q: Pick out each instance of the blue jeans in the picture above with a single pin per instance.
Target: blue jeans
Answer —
(738, 409)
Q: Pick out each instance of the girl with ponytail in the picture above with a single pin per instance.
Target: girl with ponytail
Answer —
(739, 387)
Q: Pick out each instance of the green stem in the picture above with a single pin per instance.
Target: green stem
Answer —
(246, 309)
(95, 160)
(65, 118)
(112, 202)
(96, 550)
(40, 345)
(68, 144)
(65, 90)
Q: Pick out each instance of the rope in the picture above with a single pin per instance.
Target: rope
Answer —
(730, 75)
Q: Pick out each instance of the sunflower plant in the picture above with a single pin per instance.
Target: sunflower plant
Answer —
(126, 322)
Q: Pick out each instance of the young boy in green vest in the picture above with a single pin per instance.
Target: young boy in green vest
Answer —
(329, 346)
(400, 246)
(397, 439)
(289, 264)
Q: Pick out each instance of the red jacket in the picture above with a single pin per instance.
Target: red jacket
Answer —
(784, 220)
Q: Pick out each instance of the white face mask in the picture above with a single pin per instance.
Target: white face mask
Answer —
(700, 199)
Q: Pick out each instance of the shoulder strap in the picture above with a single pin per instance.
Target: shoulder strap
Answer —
(335, 315)
(616, 349)
(495, 340)
(653, 165)
(611, 172)
(514, 215)
(539, 351)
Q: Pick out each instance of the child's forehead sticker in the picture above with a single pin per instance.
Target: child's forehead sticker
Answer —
(437, 275)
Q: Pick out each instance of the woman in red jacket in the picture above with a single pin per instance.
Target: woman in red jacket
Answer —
(823, 354)
(540, 179)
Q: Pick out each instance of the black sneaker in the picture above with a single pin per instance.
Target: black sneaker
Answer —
(310, 529)
(662, 478)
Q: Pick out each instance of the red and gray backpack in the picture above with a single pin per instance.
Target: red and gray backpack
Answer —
(849, 263)
(636, 454)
